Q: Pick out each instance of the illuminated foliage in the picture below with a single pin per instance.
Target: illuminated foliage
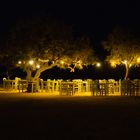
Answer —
(123, 48)
(42, 43)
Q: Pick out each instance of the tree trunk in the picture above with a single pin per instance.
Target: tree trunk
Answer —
(127, 72)
(37, 75)
(29, 75)
(39, 71)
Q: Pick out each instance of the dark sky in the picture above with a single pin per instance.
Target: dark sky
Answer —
(95, 18)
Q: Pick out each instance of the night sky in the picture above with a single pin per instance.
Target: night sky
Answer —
(94, 19)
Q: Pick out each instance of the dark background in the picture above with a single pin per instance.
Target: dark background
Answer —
(94, 19)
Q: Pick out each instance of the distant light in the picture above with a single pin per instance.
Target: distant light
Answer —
(19, 62)
(37, 66)
(98, 64)
(138, 60)
(31, 62)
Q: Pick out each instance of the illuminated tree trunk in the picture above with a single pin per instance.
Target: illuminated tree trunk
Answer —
(29, 79)
(39, 71)
(126, 72)
(29, 75)
(37, 75)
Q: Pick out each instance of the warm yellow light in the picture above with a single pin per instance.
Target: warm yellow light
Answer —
(138, 60)
(62, 62)
(37, 66)
(113, 64)
(31, 62)
(124, 62)
(19, 62)
(79, 62)
(98, 64)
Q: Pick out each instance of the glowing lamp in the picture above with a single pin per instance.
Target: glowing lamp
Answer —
(138, 60)
(19, 62)
(98, 64)
(31, 62)
(37, 66)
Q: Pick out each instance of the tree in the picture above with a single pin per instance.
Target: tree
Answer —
(43, 43)
(123, 49)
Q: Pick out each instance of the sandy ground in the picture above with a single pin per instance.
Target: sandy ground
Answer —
(39, 116)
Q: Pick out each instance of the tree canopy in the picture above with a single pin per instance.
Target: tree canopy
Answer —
(42, 43)
(123, 48)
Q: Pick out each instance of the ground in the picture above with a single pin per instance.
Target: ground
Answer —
(27, 116)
